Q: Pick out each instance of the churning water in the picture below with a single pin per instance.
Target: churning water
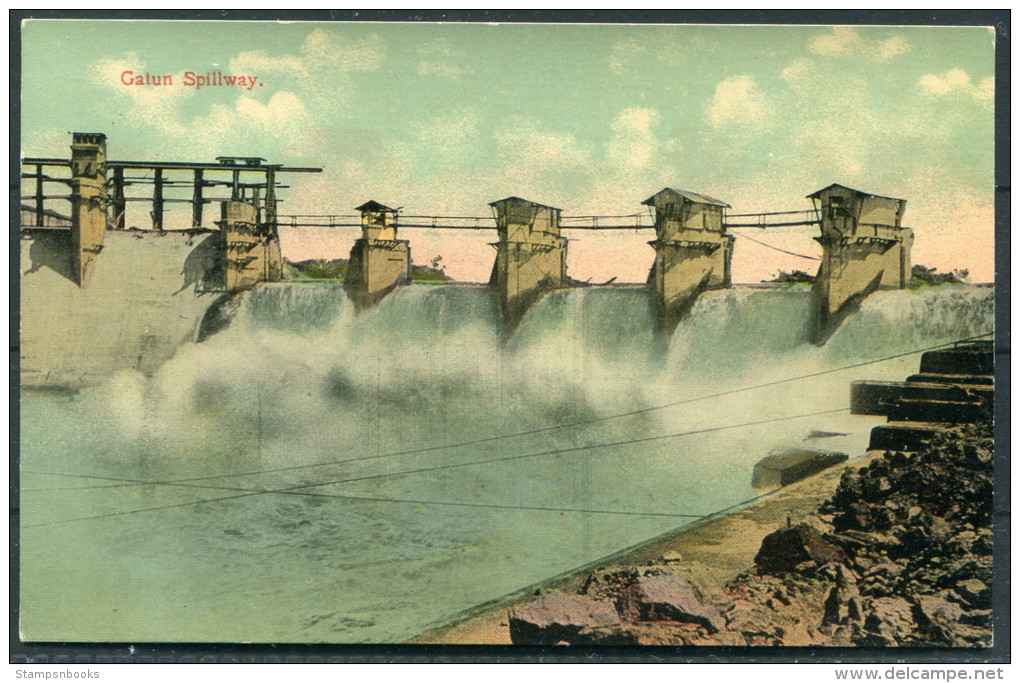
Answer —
(301, 379)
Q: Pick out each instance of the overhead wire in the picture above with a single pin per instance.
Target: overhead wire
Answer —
(377, 499)
(765, 244)
(301, 489)
(540, 430)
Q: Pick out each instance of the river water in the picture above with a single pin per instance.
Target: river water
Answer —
(299, 379)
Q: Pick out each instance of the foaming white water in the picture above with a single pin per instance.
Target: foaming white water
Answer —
(299, 378)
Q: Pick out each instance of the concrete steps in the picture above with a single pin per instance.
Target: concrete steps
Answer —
(955, 386)
(974, 358)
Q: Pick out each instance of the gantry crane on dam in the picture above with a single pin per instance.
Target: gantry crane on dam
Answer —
(98, 201)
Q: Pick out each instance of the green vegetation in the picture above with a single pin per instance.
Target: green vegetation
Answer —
(317, 269)
(795, 277)
(336, 270)
(329, 272)
(420, 274)
(921, 276)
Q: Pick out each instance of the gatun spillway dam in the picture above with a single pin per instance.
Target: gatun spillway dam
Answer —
(442, 445)
(193, 274)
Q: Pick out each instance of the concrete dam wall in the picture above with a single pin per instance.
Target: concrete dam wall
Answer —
(147, 294)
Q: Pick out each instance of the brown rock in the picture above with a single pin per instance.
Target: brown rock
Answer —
(723, 638)
(781, 551)
(549, 619)
(939, 529)
(663, 596)
(641, 634)
(751, 621)
(796, 635)
(844, 602)
(978, 617)
(975, 592)
(884, 569)
(841, 638)
(937, 610)
(888, 621)
(607, 635)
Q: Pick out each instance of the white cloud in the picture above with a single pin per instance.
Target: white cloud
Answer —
(952, 80)
(897, 45)
(958, 82)
(847, 41)
(840, 41)
(320, 70)
(796, 71)
(738, 102)
(985, 91)
(633, 145)
(155, 106)
(840, 147)
(283, 109)
(320, 50)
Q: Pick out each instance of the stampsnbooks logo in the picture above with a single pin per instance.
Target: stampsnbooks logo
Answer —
(190, 79)
(53, 675)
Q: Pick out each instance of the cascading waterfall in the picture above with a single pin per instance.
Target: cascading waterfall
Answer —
(299, 378)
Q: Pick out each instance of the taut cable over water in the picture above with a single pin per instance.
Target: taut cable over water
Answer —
(132, 482)
(301, 489)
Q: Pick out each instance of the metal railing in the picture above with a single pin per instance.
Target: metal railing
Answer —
(767, 220)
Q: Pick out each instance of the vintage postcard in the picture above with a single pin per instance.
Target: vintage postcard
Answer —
(506, 333)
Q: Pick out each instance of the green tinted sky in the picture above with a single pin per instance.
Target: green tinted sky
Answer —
(444, 118)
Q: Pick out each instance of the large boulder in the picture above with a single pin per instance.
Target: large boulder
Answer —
(559, 617)
(783, 550)
(663, 596)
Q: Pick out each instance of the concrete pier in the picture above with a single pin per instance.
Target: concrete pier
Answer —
(693, 253)
(531, 256)
(251, 249)
(864, 249)
(379, 262)
(89, 202)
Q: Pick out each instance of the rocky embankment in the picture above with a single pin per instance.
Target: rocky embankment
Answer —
(901, 555)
